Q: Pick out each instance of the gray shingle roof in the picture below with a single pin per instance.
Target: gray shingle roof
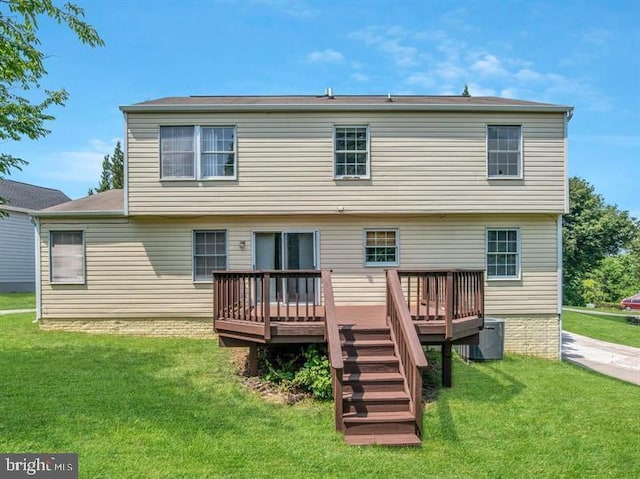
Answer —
(30, 197)
(301, 102)
(107, 202)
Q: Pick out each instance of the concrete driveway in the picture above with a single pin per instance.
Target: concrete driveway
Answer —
(622, 362)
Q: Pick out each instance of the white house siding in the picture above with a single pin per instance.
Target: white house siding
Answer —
(420, 163)
(17, 253)
(142, 268)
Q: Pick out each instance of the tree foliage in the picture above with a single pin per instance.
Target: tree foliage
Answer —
(112, 176)
(592, 231)
(22, 68)
(465, 92)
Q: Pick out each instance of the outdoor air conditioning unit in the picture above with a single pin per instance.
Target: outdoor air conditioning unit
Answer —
(491, 342)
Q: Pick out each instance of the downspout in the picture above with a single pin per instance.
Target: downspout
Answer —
(567, 117)
(560, 286)
(38, 278)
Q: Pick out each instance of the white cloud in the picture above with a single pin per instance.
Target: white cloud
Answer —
(488, 65)
(81, 166)
(389, 40)
(325, 56)
(294, 8)
(359, 77)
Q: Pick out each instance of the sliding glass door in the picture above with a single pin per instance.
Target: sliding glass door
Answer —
(284, 250)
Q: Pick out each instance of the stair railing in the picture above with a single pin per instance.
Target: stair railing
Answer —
(412, 358)
(332, 337)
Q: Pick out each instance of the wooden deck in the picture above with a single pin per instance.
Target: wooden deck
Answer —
(374, 350)
(311, 330)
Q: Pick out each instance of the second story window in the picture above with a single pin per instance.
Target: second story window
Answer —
(504, 150)
(218, 152)
(351, 152)
(197, 152)
(177, 152)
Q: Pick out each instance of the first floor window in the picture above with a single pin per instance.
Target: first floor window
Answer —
(351, 150)
(209, 253)
(503, 253)
(504, 145)
(381, 247)
(66, 253)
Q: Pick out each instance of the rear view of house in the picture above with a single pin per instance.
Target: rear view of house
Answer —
(17, 239)
(442, 209)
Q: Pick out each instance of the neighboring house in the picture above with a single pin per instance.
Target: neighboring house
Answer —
(17, 238)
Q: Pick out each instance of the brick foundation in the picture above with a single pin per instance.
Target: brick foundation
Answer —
(534, 336)
(184, 327)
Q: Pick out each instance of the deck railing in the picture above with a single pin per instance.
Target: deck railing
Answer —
(444, 295)
(265, 296)
(332, 336)
(411, 355)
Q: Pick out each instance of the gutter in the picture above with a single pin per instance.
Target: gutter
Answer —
(58, 214)
(390, 106)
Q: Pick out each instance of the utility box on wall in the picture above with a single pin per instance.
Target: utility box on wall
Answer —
(491, 342)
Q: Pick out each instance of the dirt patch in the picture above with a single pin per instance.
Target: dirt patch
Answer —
(265, 389)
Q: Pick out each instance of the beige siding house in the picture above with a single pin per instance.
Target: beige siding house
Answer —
(352, 184)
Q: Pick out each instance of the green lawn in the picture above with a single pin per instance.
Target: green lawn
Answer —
(604, 310)
(17, 301)
(614, 329)
(172, 408)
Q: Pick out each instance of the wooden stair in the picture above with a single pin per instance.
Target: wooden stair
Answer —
(375, 401)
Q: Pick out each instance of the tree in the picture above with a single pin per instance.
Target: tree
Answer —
(112, 176)
(592, 230)
(22, 68)
(465, 92)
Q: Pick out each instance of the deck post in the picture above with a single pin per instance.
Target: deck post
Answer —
(252, 360)
(266, 304)
(446, 364)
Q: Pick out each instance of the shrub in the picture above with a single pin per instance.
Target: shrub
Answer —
(304, 368)
(315, 374)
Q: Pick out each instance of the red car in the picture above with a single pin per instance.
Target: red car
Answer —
(631, 303)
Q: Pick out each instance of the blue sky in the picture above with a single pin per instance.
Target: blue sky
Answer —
(580, 53)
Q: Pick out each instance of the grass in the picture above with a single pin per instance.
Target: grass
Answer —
(614, 329)
(605, 310)
(17, 301)
(172, 408)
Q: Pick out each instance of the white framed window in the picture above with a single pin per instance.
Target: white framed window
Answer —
(503, 253)
(504, 151)
(198, 152)
(177, 152)
(351, 152)
(66, 257)
(381, 247)
(217, 152)
(209, 253)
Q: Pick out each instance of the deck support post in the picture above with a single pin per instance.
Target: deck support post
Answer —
(253, 360)
(446, 364)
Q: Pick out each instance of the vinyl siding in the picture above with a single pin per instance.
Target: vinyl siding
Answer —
(142, 268)
(17, 249)
(420, 163)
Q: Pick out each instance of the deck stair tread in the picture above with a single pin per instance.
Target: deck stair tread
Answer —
(367, 342)
(372, 377)
(378, 417)
(371, 359)
(383, 439)
(374, 396)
